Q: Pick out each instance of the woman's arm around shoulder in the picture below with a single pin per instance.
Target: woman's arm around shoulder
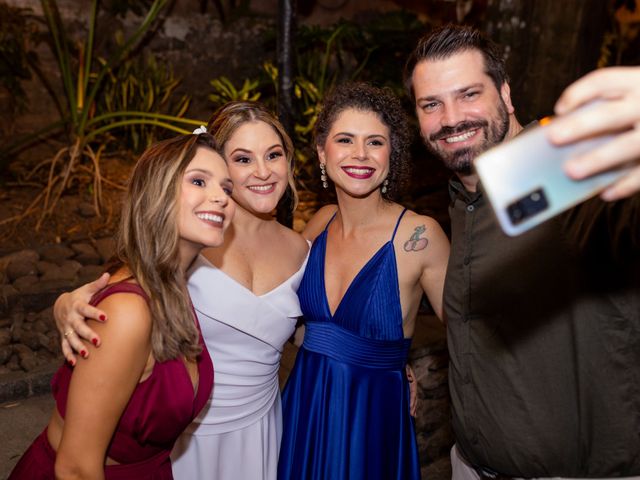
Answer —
(102, 385)
(316, 225)
(423, 239)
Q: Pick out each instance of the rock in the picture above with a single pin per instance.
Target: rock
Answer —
(106, 247)
(436, 347)
(30, 339)
(86, 254)
(46, 316)
(438, 470)
(13, 364)
(43, 340)
(4, 279)
(86, 210)
(67, 270)
(45, 266)
(432, 413)
(5, 338)
(19, 257)
(56, 253)
(431, 372)
(41, 326)
(21, 268)
(5, 354)
(439, 443)
(57, 285)
(89, 273)
(53, 345)
(29, 362)
(17, 319)
(46, 313)
(7, 292)
(27, 284)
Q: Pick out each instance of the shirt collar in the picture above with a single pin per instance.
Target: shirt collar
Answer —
(457, 190)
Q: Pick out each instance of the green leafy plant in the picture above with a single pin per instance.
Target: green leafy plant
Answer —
(83, 76)
(141, 84)
(225, 91)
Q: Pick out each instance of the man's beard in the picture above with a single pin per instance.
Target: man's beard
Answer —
(460, 161)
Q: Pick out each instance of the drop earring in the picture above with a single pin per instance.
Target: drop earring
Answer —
(323, 175)
(385, 184)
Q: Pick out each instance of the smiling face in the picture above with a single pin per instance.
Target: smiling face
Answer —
(258, 166)
(461, 113)
(205, 205)
(356, 152)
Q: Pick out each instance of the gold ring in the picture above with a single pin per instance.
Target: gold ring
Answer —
(69, 332)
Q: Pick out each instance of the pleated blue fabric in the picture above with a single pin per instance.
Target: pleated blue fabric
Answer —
(346, 403)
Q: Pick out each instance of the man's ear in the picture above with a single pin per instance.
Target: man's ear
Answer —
(505, 93)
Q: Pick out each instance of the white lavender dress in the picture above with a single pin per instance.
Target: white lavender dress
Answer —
(237, 434)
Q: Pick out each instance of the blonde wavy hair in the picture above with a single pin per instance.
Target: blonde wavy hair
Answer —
(231, 116)
(148, 242)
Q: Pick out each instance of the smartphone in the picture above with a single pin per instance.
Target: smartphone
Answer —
(525, 181)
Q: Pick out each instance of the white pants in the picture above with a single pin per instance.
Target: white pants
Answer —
(461, 470)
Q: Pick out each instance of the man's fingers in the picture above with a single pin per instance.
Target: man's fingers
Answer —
(615, 153)
(625, 187)
(589, 123)
(605, 83)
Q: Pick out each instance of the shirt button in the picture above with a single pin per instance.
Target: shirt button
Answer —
(470, 208)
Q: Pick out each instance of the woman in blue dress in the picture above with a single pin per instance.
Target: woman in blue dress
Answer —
(346, 403)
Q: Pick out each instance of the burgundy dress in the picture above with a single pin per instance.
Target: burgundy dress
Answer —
(159, 410)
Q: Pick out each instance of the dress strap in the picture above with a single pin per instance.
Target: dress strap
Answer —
(331, 220)
(398, 224)
(118, 287)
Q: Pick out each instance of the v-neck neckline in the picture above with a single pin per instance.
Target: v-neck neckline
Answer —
(354, 280)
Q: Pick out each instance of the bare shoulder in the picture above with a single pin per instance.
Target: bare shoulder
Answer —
(129, 317)
(296, 244)
(319, 220)
(420, 233)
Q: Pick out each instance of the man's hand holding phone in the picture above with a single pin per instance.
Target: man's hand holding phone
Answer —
(617, 112)
(525, 177)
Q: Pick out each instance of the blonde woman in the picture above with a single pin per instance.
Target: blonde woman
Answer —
(119, 412)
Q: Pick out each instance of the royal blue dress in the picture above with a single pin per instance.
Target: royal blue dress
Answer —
(346, 403)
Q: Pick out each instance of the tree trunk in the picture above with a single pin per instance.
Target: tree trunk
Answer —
(286, 27)
(548, 44)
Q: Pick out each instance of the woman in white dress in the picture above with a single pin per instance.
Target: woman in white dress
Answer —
(259, 267)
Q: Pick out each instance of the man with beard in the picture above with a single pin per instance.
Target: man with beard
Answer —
(544, 328)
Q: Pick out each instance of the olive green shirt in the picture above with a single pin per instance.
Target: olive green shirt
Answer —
(544, 340)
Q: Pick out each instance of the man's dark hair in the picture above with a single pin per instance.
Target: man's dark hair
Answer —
(449, 40)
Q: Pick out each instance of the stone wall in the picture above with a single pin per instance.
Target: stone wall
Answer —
(30, 281)
(433, 420)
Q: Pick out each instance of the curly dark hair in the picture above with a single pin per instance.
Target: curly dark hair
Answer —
(384, 103)
(449, 40)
